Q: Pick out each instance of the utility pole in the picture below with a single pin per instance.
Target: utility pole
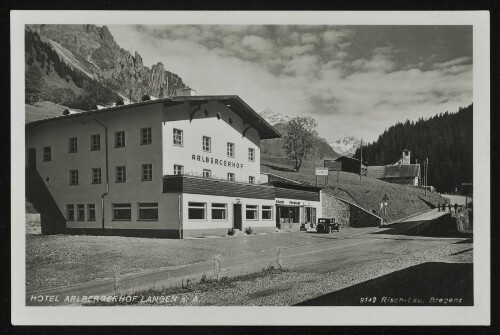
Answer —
(361, 160)
(426, 163)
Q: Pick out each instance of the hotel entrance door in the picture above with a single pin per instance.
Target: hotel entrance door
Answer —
(237, 223)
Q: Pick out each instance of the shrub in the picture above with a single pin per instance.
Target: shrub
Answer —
(119, 102)
(67, 78)
(145, 97)
(249, 230)
(65, 112)
(230, 232)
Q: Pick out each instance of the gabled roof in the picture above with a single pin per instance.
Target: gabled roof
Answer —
(233, 102)
(394, 171)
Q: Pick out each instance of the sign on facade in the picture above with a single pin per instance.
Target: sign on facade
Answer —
(321, 171)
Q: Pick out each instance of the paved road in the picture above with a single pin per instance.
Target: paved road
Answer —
(328, 253)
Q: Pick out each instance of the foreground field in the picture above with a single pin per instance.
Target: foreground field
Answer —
(60, 260)
(424, 276)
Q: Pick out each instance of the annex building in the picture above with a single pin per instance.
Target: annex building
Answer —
(401, 172)
(174, 167)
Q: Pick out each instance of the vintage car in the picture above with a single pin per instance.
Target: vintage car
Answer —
(327, 225)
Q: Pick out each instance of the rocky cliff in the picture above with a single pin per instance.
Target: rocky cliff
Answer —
(93, 51)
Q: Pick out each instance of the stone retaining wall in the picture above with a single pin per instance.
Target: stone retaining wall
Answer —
(347, 213)
(33, 224)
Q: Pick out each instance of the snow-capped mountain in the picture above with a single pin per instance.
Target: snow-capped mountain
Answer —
(273, 118)
(346, 146)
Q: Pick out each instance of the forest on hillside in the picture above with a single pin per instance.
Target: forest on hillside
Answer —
(445, 139)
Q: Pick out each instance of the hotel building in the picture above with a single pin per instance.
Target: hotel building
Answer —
(174, 167)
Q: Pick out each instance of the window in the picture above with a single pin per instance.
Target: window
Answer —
(178, 137)
(91, 212)
(70, 212)
(230, 149)
(197, 210)
(178, 170)
(147, 172)
(95, 142)
(73, 144)
(267, 212)
(148, 211)
(230, 176)
(73, 177)
(119, 139)
(219, 211)
(96, 175)
(80, 212)
(47, 154)
(207, 173)
(122, 212)
(121, 174)
(251, 154)
(146, 137)
(207, 144)
(251, 212)
(251, 179)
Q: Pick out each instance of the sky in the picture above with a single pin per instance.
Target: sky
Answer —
(354, 80)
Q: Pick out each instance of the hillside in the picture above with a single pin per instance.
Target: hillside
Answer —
(73, 57)
(367, 193)
(44, 110)
(446, 139)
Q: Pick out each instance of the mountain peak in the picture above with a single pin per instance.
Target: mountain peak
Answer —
(273, 118)
(346, 146)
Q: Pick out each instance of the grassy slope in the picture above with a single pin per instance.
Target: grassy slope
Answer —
(367, 193)
(43, 110)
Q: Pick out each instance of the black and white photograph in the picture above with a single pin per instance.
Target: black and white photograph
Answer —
(180, 164)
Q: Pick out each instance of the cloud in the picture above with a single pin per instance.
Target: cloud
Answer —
(350, 84)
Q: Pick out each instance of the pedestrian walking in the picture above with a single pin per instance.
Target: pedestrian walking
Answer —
(449, 207)
(456, 207)
(444, 206)
(439, 207)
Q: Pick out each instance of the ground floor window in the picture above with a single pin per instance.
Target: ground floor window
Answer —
(251, 212)
(70, 212)
(178, 169)
(219, 211)
(197, 210)
(288, 214)
(148, 211)
(80, 212)
(267, 212)
(122, 212)
(91, 212)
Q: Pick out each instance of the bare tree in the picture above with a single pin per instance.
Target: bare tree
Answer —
(299, 140)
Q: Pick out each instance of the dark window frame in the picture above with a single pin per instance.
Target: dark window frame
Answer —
(120, 176)
(72, 145)
(47, 155)
(120, 139)
(95, 145)
(148, 169)
(93, 175)
(74, 178)
(146, 136)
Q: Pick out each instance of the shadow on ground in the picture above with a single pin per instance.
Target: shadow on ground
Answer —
(419, 285)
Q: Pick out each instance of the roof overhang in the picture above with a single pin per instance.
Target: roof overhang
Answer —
(235, 103)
